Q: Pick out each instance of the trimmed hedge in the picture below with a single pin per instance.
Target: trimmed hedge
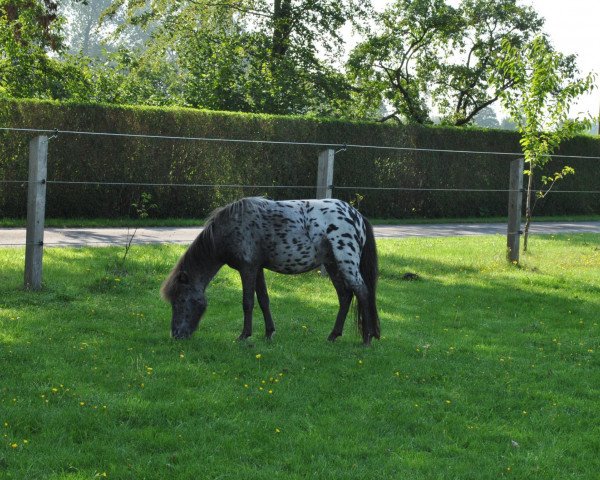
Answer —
(85, 158)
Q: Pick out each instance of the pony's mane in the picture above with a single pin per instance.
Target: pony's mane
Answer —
(204, 245)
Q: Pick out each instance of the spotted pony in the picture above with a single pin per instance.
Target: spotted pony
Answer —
(288, 237)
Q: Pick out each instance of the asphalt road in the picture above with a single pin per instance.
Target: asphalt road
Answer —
(72, 237)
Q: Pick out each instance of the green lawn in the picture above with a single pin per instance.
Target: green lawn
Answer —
(484, 370)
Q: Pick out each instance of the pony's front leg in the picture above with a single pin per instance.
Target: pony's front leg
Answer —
(263, 301)
(248, 286)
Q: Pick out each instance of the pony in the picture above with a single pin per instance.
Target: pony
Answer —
(289, 237)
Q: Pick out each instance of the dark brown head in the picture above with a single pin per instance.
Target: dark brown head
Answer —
(188, 303)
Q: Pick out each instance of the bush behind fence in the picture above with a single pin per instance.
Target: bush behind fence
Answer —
(85, 158)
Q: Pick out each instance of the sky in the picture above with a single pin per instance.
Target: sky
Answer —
(574, 28)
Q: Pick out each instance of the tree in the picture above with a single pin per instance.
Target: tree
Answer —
(31, 30)
(250, 55)
(426, 52)
(487, 118)
(545, 84)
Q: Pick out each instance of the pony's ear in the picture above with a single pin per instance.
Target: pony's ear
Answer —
(183, 277)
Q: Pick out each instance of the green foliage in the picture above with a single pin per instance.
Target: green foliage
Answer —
(84, 158)
(484, 371)
(545, 85)
(426, 51)
(241, 56)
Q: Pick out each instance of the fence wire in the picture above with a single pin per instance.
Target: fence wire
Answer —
(341, 146)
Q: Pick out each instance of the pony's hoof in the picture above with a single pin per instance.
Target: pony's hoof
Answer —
(269, 335)
(332, 336)
(244, 336)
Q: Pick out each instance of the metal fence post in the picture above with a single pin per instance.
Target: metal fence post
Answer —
(36, 211)
(515, 204)
(325, 173)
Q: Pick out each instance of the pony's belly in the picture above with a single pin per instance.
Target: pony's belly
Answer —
(292, 269)
(300, 259)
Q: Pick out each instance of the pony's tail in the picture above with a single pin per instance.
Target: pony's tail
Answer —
(369, 272)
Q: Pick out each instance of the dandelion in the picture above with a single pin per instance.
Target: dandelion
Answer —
(258, 356)
(448, 402)
(81, 404)
(25, 441)
(270, 392)
(14, 445)
(360, 362)
(54, 389)
(277, 430)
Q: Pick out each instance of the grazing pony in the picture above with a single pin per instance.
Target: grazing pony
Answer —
(293, 236)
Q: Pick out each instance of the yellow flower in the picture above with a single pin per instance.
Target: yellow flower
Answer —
(81, 404)
(14, 445)
(258, 356)
(270, 391)
(277, 430)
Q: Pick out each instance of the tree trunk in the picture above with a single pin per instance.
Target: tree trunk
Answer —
(282, 27)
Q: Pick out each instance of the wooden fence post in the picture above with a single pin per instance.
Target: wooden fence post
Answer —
(325, 173)
(515, 205)
(325, 181)
(36, 211)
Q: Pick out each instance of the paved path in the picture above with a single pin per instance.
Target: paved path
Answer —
(65, 237)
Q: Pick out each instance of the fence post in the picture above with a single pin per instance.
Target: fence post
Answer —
(515, 204)
(36, 211)
(325, 173)
(325, 181)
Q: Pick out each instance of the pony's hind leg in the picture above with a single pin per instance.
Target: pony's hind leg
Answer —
(365, 318)
(263, 301)
(344, 298)
(248, 287)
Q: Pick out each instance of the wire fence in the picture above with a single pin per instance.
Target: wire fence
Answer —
(338, 147)
(341, 146)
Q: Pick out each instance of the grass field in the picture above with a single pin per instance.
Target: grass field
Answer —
(484, 371)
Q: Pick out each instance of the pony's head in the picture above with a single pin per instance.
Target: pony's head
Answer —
(188, 303)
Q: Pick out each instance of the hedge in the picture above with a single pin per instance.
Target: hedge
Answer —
(119, 159)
